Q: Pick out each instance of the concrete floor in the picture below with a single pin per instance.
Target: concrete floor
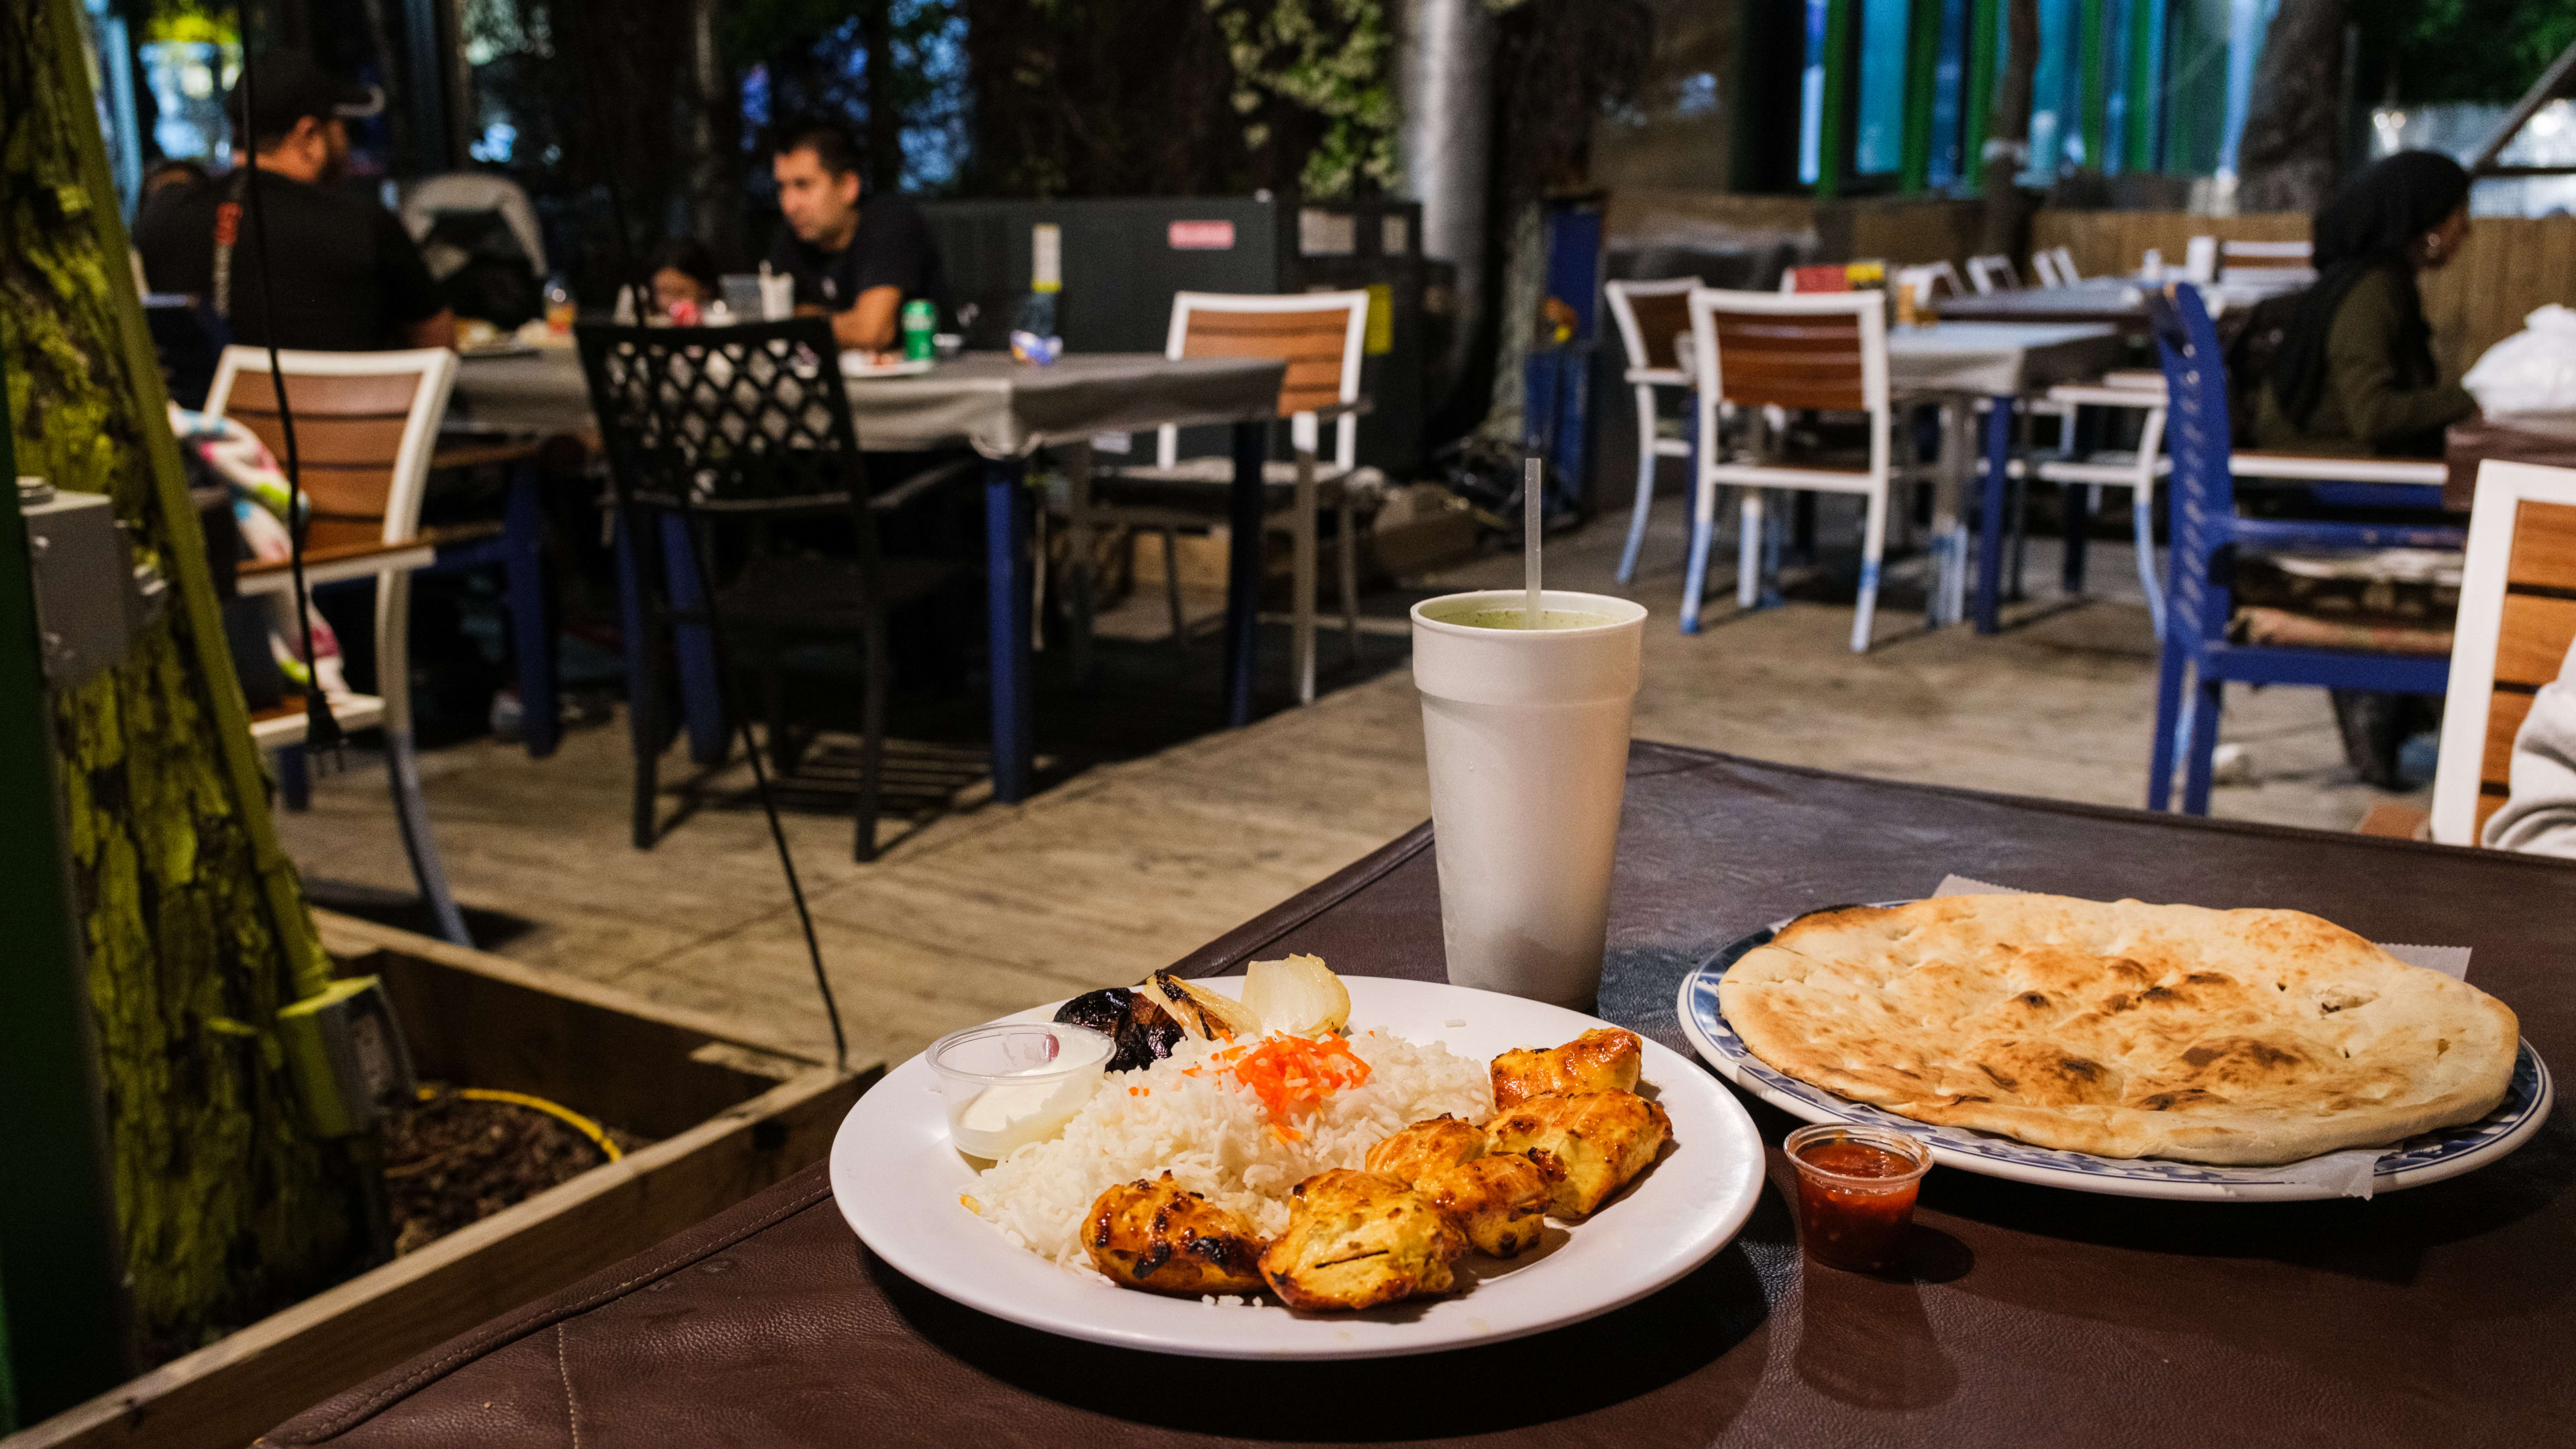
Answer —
(979, 908)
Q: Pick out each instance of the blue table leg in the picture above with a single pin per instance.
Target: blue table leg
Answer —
(1006, 569)
(532, 629)
(1990, 515)
(1243, 572)
(694, 646)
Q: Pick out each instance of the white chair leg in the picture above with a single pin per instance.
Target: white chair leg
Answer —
(1302, 616)
(1346, 545)
(1645, 484)
(1873, 547)
(1172, 585)
(411, 813)
(1702, 528)
(2142, 521)
(1748, 552)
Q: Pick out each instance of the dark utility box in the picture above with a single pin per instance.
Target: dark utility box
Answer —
(1124, 258)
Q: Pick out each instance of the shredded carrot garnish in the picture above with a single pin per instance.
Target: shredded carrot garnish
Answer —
(1293, 1074)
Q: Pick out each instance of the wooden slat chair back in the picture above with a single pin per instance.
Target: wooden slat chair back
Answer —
(1654, 327)
(365, 426)
(1318, 334)
(2517, 619)
(1756, 351)
(1812, 357)
(2264, 257)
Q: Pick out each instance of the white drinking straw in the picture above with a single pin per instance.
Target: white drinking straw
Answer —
(1531, 617)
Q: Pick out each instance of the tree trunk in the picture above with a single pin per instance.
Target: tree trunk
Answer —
(2293, 130)
(2008, 133)
(193, 922)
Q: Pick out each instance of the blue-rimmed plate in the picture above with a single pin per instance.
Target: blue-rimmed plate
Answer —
(2412, 1163)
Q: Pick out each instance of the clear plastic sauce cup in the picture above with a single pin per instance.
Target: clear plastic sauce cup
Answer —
(1011, 1084)
(1856, 1190)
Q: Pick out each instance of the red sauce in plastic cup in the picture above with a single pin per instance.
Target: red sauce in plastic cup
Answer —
(1856, 1190)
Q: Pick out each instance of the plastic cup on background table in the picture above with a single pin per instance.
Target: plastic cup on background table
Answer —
(1526, 735)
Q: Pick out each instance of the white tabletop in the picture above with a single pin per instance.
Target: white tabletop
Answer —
(1997, 359)
(1000, 408)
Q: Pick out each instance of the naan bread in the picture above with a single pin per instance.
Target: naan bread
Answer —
(2123, 1029)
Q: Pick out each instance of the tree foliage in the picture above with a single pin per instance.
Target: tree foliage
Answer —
(2459, 50)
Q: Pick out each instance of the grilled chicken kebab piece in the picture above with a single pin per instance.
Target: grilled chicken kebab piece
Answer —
(1356, 1240)
(1593, 1142)
(1604, 1059)
(1164, 1239)
(1499, 1202)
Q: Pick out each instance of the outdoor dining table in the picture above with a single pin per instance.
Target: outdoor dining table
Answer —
(1005, 412)
(2002, 362)
(2026, 1315)
(2110, 301)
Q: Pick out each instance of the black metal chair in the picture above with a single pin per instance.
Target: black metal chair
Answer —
(704, 423)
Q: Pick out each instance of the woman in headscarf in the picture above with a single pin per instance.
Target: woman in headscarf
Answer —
(2354, 372)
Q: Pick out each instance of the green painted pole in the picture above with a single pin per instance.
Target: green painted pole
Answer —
(1985, 20)
(2146, 80)
(2093, 109)
(1833, 132)
(62, 1338)
(1922, 66)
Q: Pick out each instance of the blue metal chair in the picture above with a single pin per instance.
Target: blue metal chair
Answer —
(2206, 535)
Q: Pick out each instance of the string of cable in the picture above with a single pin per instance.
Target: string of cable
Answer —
(630, 275)
(321, 727)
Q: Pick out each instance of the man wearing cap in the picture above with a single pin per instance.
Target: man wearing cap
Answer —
(348, 278)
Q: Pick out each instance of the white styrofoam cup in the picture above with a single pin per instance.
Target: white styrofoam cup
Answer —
(1526, 735)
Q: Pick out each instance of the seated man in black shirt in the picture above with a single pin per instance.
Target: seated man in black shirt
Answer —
(857, 263)
(348, 277)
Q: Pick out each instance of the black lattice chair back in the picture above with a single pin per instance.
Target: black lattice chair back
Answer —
(2202, 491)
(725, 419)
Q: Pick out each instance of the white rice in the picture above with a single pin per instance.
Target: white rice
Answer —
(1214, 1137)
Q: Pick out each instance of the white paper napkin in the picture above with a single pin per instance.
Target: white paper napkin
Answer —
(2350, 1173)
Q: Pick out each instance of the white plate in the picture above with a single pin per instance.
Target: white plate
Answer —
(854, 364)
(898, 1180)
(2412, 1163)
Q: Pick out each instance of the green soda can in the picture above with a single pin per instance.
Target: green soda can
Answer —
(920, 319)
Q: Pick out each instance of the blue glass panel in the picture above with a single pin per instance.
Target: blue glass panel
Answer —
(1949, 78)
(1878, 145)
(1811, 97)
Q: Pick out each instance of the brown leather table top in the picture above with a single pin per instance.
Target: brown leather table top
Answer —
(2444, 1314)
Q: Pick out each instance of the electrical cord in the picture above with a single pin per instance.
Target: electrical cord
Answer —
(597, 1134)
(321, 727)
(629, 276)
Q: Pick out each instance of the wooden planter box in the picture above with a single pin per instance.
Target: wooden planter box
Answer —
(732, 1117)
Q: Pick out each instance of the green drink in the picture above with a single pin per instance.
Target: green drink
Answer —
(1519, 619)
(920, 320)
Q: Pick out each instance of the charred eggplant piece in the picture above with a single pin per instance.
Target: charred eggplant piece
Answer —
(1143, 1031)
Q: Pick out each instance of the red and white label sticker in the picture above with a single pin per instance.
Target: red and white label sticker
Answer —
(1202, 236)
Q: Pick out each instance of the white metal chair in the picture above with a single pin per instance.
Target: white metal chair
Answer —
(1760, 350)
(1654, 328)
(366, 425)
(1992, 274)
(2515, 624)
(1930, 282)
(2045, 265)
(2067, 275)
(2136, 470)
(1319, 335)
